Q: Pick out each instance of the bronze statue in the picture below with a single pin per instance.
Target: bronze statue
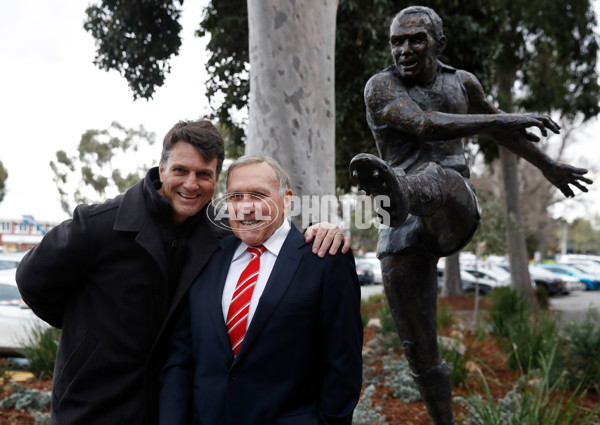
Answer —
(419, 111)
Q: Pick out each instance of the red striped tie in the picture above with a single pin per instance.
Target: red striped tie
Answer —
(237, 316)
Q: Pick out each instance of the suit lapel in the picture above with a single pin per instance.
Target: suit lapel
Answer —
(281, 277)
(215, 280)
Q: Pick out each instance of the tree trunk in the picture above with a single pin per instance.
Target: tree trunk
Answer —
(452, 280)
(292, 99)
(515, 237)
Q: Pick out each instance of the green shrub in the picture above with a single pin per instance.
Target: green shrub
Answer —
(508, 306)
(385, 317)
(542, 297)
(4, 368)
(365, 413)
(535, 399)
(387, 335)
(35, 402)
(399, 379)
(527, 341)
(522, 333)
(456, 355)
(579, 358)
(364, 313)
(40, 349)
(445, 317)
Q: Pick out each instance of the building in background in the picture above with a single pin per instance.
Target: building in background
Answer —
(22, 234)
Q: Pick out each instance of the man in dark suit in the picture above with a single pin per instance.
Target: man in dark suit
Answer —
(112, 276)
(271, 334)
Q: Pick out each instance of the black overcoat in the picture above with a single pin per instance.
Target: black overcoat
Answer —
(100, 277)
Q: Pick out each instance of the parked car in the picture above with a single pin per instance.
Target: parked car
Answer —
(552, 283)
(376, 266)
(587, 266)
(16, 319)
(578, 257)
(9, 261)
(591, 281)
(495, 274)
(364, 270)
(469, 281)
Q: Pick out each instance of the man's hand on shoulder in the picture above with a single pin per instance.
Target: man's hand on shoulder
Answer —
(326, 236)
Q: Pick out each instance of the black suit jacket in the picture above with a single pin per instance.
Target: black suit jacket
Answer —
(98, 277)
(300, 362)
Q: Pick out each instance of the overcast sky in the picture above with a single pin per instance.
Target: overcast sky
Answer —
(51, 92)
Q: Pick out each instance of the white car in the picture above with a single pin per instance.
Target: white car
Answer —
(9, 261)
(490, 272)
(16, 319)
(374, 261)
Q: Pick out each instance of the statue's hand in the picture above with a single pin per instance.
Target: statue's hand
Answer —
(562, 175)
(523, 121)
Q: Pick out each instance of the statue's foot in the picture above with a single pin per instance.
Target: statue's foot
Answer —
(375, 177)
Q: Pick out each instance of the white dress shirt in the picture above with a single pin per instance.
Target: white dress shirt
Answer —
(241, 258)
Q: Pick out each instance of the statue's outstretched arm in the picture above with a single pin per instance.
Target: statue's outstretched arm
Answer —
(388, 100)
(522, 143)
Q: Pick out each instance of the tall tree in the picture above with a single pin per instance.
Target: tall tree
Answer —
(3, 178)
(136, 38)
(292, 105)
(549, 51)
(97, 171)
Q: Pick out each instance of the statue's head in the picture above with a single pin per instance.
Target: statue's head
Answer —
(416, 40)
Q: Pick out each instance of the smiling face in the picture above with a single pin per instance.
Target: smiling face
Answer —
(414, 48)
(255, 207)
(188, 180)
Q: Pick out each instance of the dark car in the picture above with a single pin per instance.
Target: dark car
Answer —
(552, 283)
(366, 275)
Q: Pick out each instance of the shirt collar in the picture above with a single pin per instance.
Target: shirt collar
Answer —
(273, 244)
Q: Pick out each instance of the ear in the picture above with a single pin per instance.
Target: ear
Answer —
(160, 171)
(441, 44)
(287, 200)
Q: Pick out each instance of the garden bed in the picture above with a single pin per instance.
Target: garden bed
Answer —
(486, 358)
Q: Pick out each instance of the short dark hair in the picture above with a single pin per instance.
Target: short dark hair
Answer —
(201, 134)
(437, 27)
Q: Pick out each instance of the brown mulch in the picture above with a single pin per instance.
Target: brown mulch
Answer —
(489, 359)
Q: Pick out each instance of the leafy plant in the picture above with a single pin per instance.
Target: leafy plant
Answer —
(578, 360)
(387, 335)
(40, 349)
(522, 333)
(456, 355)
(365, 413)
(32, 401)
(364, 313)
(535, 399)
(399, 379)
(508, 306)
(528, 340)
(4, 368)
(445, 317)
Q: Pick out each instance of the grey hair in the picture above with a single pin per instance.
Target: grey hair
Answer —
(282, 176)
(436, 22)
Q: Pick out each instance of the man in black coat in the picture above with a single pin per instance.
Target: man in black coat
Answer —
(111, 276)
